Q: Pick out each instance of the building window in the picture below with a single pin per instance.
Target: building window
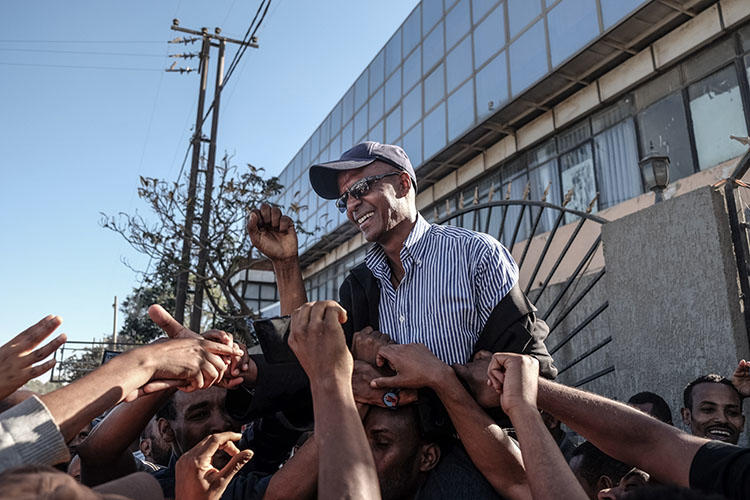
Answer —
(489, 37)
(572, 24)
(521, 13)
(432, 49)
(663, 129)
(577, 173)
(434, 131)
(616, 155)
(546, 178)
(492, 86)
(457, 23)
(434, 87)
(716, 112)
(460, 110)
(528, 58)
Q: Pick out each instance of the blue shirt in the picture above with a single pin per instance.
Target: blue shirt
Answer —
(453, 280)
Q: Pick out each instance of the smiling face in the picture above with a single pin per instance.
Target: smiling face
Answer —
(387, 206)
(715, 413)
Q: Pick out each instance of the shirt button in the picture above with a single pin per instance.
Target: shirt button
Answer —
(419, 262)
(401, 318)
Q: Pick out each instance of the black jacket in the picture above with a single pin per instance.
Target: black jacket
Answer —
(511, 327)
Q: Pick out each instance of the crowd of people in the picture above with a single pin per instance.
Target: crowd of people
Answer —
(428, 378)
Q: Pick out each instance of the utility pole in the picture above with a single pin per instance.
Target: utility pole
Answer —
(114, 326)
(208, 40)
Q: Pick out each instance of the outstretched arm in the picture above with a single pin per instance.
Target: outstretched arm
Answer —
(488, 446)
(346, 468)
(623, 432)
(514, 377)
(274, 236)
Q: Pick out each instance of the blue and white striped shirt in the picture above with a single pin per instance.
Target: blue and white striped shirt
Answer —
(453, 280)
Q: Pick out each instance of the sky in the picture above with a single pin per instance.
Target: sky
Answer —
(87, 109)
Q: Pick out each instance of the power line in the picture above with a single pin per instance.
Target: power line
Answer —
(66, 66)
(81, 41)
(82, 52)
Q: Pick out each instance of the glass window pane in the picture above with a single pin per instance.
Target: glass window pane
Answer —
(315, 143)
(306, 158)
(460, 110)
(521, 13)
(614, 10)
(577, 172)
(268, 292)
(412, 144)
(393, 90)
(572, 24)
(432, 49)
(480, 8)
(336, 119)
(546, 178)
(528, 58)
(432, 11)
(376, 134)
(360, 123)
(492, 86)
(360, 90)
(612, 114)
(412, 29)
(541, 154)
(324, 132)
(434, 87)
(348, 106)
(663, 126)
(489, 37)
(376, 108)
(412, 106)
(412, 69)
(458, 64)
(336, 147)
(393, 126)
(434, 131)
(457, 23)
(517, 188)
(574, 136)
(347, 136)
(252, 291)
(717, 96)
(393, 53)
(377, 68)
(616, 155)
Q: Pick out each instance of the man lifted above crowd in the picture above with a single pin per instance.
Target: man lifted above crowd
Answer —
(452, 289)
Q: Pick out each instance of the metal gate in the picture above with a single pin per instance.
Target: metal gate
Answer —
(554, 247)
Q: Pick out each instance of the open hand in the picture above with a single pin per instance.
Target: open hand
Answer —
(18, 356)
(195, 476)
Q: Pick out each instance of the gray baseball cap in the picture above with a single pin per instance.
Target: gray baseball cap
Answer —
(324, 176)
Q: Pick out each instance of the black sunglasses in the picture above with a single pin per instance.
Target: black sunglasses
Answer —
(359, 189)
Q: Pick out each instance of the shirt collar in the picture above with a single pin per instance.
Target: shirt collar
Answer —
(376, 259)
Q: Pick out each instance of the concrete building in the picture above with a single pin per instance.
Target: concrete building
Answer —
(495, 95)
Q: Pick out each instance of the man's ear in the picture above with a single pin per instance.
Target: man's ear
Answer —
(166, 431)
(404, 184)
(429, 457)
(685, 412)
(145, 446)
(604, 482)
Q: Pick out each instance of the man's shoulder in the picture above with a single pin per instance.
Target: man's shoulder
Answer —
(473, 240)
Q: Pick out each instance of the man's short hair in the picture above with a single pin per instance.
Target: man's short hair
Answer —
(711, 378)
(168, 410)
(661, 408)
(595, 464)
